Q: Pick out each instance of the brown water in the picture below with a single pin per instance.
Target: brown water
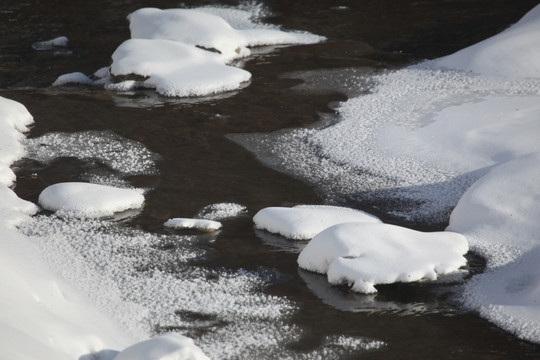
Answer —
(200, 166)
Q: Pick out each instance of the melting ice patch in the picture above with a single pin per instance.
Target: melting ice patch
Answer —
(305, 221)
(186, 52)
(109, 157)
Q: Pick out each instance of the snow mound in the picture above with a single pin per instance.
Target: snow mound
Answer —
(174, 68)
(89, 200)
(200, 224)
(221, 211)
(186, 52)
(164, 347)
(363, 255)
(305, 221)
(513, 53)
(207, 28)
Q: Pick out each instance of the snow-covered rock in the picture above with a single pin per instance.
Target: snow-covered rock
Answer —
(305, 221)
(89, 200)
(200, 224)
(366, 254)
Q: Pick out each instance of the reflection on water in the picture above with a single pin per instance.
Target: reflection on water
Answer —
(399, 299)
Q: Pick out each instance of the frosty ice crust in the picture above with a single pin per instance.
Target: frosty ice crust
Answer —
(366, 254)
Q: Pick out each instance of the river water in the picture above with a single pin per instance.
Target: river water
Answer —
(198, 164)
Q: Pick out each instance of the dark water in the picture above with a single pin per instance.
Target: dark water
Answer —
(200, 166)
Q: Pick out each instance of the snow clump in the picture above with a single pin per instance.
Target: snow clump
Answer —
(366, 254)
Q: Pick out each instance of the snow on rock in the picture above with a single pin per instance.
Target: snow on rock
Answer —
(60, 41)
(221, 211)
(174, 68)
(208, 28)
(305, 221)
(200, 224)
(89, 200)
(190, 27)
(513, 53)
(366, 254)
(73, 78)
(169, 346)
(185, 52)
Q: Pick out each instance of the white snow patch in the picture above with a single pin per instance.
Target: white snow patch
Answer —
(220, 211)
(366, 254)
(60, 41)
(164, 347)
(89, 200)
(305, 221)
(200, 224)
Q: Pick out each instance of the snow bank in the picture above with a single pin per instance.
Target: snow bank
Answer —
(200, 224)
(186, 52)
(513, 53)
(363, 255)
(499, 216)
(41, 317)
(165, 347)
(89, 200)
(305, 221)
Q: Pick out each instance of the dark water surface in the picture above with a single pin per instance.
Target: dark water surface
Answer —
(200, 166)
